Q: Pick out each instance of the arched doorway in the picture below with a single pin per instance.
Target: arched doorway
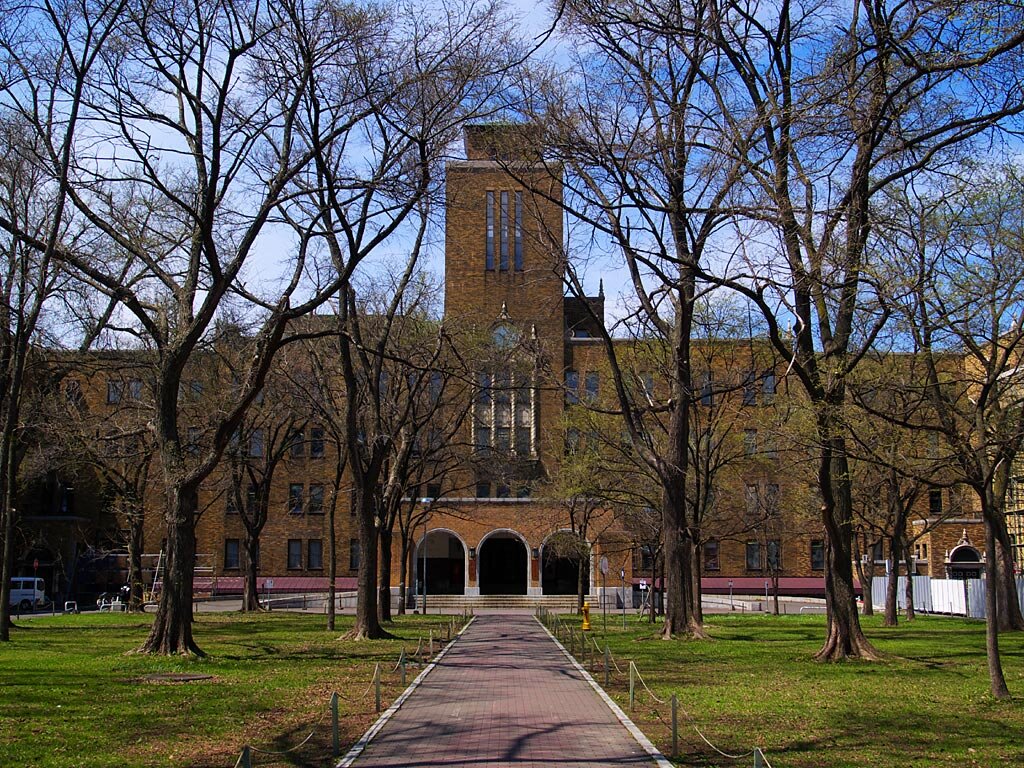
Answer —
(445, 564)
(964, 562)
(503, 564)
(564, 555)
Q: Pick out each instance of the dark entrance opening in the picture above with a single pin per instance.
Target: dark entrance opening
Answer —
(503, 563)
(446, 564)
(561, 568)
(964, 562)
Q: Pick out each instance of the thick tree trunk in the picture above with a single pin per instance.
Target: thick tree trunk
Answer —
(7, 570)
(997, 682)
(698, 591)
(845, 638)
(367, 626)
(384, 585)
(172, 627)
(865, 576)
(250, 591)
(891, 592)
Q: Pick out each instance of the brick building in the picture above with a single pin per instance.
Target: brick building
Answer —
(496, 524)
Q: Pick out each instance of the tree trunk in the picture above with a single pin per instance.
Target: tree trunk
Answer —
(332, 562)
(909, 593)
(891, 592)
(367, 626)
(698, 591)
(172, 627)
(384, 585)
(865, 576)
(997, 682)
(250, 592)
(845, 638)
(775, 592)
(1010, 618)
(136, 589)
(403, 574)
(580, 586)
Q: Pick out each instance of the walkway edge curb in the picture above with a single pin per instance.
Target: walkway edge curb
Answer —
(357, 748)
(660, 760)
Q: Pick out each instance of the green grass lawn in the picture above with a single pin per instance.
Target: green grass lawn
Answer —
(72, 694)
(754, 684)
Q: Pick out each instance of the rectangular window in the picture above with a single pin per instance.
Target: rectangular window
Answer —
(297, 444)
(354, 558)
(256, 443)
(572, 387)
(135, 389)
(706, 389)
(316, 499)
(503, 231)
(315, 554)
(489, 253)
(768, 388)
(773, 554)
(502, 491)
(771, 500)
(572, 441)
(753, 556)
(316, 443)
(752, 499)
(935, 503)
(523, 429)
(294, 554)
(195, 389)
(231, 559)
(295, 498)
(749, 441)
(749, 388)
(483, 490)
(115, 392)
(711, 561)
(647, 380)
(817, 555)
(433, 490)
(592, 384)
(876, 551)
(519, 232)
(193, 441)
(482, 439)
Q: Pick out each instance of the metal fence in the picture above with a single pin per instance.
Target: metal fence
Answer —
(955, 597)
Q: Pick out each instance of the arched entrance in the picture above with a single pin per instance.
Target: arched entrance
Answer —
(503, 562)
(964, 562)
(564, 555)
(445, 564)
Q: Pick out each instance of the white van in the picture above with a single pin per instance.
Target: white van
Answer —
(27, 593)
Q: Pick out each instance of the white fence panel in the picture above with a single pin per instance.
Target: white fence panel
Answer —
(922, 593)
(957, 597)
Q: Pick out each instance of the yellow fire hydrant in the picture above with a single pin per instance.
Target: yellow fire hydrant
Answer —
(586, 617)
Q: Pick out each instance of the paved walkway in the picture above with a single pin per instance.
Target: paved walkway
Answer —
(504, 695)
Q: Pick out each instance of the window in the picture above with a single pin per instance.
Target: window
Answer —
(706, 389)
(435, 387)
(256, 443)
(768, 388)
(73, 394)
(316, 499)
(315, 554)
(647, 380)
(711, 561)
(502, 491)
(524, 422)
(572, 441)
(297, 444)
(230, 507)
(354, 558)
(749, 388)
(483, 490)
(773, 555)
(935, 503)
(876, 551)
(817, 555)
(751, 499)
(572, 387)
(195, 389)
(489, 252)
(316, 443)
(753, 556)
(294, 554)
(193, 441)
(771, 500)
(295, 498)
(523, 492)
(592, 384)
(749, 441)
(231, 559)
(433, 490)
(503, 258)
(519, 232)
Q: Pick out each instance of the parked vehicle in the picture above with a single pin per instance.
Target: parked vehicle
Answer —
(27, 593)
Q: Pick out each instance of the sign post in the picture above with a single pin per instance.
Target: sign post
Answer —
(622, 575)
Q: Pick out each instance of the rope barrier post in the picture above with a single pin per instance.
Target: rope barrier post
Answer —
(245, 759)
(758, 758)
(675, 727)
(335, 739)
(403, 668)
(376, 686)
(632, 685)
(607, 664)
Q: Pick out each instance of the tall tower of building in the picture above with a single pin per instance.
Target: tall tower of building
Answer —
(503, 282)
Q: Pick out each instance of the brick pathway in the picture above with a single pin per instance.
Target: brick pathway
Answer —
(504, 695)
